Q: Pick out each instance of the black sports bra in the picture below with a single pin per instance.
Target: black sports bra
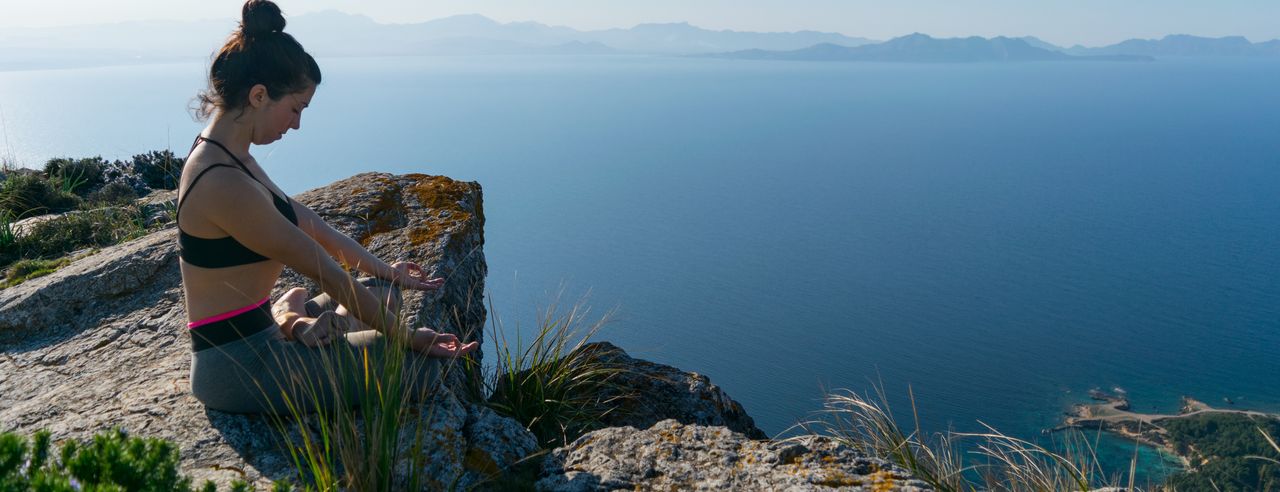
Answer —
(224, 251)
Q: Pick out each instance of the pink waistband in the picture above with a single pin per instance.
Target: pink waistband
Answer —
(229, 314)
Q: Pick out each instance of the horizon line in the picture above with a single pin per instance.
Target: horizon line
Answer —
(687, 23)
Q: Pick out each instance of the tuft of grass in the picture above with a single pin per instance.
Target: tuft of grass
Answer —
(73, 231)
(377, 445)
(995, 461)
(57, 236)
(24, 270)
(26, 194)
(8, 237)
(551, 385)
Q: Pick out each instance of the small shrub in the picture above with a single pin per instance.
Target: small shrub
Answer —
(114, 193)
(159, 169)
(28, 194)
(78, 176)
(122, 172)
(111, 461)
(73, 231)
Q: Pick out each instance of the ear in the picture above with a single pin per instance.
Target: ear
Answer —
(258, 96)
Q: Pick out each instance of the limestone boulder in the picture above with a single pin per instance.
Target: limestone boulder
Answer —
(674, 456)
(102, 342)
(658, 392)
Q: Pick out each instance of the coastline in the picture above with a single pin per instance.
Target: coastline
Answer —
(1113, 415)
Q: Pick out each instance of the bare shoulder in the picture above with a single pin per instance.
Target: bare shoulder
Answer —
(211, 191)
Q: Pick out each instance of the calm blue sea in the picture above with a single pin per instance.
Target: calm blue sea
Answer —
(999, 238)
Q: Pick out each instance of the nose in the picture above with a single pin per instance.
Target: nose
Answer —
(297, 123)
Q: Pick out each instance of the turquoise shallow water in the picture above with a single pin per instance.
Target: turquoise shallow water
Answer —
(999, 238)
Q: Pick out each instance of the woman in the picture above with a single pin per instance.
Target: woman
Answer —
(238, 230)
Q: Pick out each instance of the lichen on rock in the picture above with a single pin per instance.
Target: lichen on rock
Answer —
(675, 456)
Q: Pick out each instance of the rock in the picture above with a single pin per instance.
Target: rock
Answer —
(23, 227)
(102, 342)
(660, 392)
(674, 456)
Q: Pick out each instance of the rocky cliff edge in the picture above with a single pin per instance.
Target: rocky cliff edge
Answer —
(102, 343)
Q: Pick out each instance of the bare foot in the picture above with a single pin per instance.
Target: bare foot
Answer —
(319, 331)
(291, 307)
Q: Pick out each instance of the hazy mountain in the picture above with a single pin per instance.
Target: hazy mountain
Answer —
(922, 48)
(682, 38)
(1184, 45)
(333, 33)
(362, 36)
(1039, 43)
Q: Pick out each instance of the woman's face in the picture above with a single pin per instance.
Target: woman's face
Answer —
(280, 115)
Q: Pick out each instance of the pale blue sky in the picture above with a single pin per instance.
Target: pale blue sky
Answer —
(1064, 22)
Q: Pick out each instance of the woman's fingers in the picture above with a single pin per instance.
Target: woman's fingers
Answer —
(451, 349)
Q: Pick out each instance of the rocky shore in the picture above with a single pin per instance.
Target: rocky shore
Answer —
(1112, 414)
(101, 343)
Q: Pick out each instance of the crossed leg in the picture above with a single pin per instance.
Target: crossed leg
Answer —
(294, 311)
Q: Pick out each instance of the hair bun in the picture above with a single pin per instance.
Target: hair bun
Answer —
(261, 17)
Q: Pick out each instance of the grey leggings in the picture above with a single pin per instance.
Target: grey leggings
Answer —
(264, 373)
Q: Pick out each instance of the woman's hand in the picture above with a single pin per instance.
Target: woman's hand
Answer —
(434, 344)
(411, 276)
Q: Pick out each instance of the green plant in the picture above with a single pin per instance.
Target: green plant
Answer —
(1004, 462)
(23, 270)
(28, 193)
(553, 386)
(361, 447)
(113, 193)
(73, 231)
(76, 176)
(8, 237)
(159, 169)
(111, 461)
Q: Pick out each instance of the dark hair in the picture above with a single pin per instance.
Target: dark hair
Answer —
(258, 52)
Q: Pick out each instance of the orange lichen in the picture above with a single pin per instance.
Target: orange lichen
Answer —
(883, 481)
(443, 196)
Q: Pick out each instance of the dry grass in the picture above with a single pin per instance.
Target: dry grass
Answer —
(954, 461)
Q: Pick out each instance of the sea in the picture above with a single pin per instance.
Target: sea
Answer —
(983, 243)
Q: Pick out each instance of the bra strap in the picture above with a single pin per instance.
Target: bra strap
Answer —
(238, 162)
(193, 185)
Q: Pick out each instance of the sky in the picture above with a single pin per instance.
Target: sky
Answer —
(1063, 22)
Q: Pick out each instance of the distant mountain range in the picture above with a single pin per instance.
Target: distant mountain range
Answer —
(333, 33)
(1184, 45)
(922, 48)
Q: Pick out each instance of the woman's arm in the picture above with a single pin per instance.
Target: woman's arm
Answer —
(346, 250)
(351, 253)
(252, 220)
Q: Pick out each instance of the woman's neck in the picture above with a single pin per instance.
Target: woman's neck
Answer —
(236, 136)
